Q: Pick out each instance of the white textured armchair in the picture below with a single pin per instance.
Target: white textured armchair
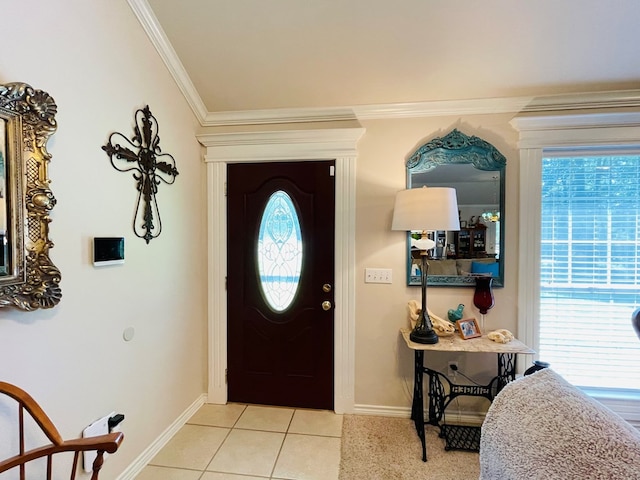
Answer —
(541, 427)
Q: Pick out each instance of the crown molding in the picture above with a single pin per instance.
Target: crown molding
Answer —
(482, 106)
(278, 116)
(159, 39)
(367, 112)
(478, 106)
(574, 121)
(587, 101)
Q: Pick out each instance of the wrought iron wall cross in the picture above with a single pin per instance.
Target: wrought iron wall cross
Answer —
(150, 167)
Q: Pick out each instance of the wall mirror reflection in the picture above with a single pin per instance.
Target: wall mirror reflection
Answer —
(5, 131)
(476, 169)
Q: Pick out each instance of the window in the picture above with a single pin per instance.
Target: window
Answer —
(571, 248)
(590, 268)
(279, 248)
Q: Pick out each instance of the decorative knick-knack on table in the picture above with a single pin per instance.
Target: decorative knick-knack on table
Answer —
(483, 297)
(456, 314)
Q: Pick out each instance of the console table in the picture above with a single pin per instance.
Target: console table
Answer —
(459, 437)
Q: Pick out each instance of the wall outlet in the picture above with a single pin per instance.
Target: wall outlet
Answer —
(377, 275)
(99, 427)
(452, 369)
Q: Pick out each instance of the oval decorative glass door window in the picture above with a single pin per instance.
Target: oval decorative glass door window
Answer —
(279, 251)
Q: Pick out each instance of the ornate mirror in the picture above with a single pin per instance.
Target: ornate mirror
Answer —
(475, 168)
(28, 279)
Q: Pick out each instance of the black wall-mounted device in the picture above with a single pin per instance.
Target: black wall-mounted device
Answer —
(108, 251)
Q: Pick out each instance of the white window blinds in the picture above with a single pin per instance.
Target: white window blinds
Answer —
(590, 268)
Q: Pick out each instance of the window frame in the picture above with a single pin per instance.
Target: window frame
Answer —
(540, 135)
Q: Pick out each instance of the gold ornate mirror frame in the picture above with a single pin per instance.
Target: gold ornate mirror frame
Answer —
(28, 278)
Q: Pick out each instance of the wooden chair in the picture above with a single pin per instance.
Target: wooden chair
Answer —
(100, 444)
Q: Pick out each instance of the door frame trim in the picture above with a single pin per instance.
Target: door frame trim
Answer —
(292, 145)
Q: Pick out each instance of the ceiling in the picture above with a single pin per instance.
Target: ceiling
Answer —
(473, 186)
(239, 55)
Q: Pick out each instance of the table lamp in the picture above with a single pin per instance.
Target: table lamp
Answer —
(425, 209)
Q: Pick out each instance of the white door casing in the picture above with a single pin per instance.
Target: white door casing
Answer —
(293, 145)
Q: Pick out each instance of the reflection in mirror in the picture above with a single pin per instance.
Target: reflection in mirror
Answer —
(4, 258)
(475, 168)
(28, 278)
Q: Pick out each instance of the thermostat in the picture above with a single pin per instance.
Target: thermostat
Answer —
(108, 251)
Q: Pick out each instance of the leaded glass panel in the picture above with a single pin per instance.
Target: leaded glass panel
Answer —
(279, 251)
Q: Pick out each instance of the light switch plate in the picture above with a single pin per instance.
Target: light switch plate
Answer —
(377, 275)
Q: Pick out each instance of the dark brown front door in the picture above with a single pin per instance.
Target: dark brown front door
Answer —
(280, 290)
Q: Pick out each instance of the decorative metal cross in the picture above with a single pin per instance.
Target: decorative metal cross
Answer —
(148, 169)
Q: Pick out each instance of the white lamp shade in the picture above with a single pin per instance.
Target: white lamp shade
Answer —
(426, 208)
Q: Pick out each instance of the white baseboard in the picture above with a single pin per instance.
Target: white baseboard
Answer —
(134, 469)
(625, 409)
(471, 418)
(381, 411)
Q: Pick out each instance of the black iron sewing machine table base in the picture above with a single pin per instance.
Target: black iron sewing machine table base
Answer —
(442, 391)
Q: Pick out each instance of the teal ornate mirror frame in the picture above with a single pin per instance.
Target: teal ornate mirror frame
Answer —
(477, 170)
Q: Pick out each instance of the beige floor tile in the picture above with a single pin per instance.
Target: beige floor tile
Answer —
(308, 457)
(316, 422)
(151, 472)
(248, 452)
(270, 419)
(192, 447)
(217, 415)
(228, 476)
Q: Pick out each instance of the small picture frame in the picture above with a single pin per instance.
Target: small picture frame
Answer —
(468, 328)
(463, 224)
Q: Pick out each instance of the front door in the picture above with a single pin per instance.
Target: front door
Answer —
(280, 273)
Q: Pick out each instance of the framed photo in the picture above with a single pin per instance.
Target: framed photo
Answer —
(468, 328)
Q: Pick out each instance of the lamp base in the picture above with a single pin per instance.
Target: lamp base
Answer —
(423, 336)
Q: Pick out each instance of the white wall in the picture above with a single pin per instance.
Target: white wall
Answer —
(96, 61)
(384, 365)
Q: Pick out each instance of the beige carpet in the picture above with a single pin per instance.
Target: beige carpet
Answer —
(386, 448)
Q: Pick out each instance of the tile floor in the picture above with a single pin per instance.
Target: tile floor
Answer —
(250, 442)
